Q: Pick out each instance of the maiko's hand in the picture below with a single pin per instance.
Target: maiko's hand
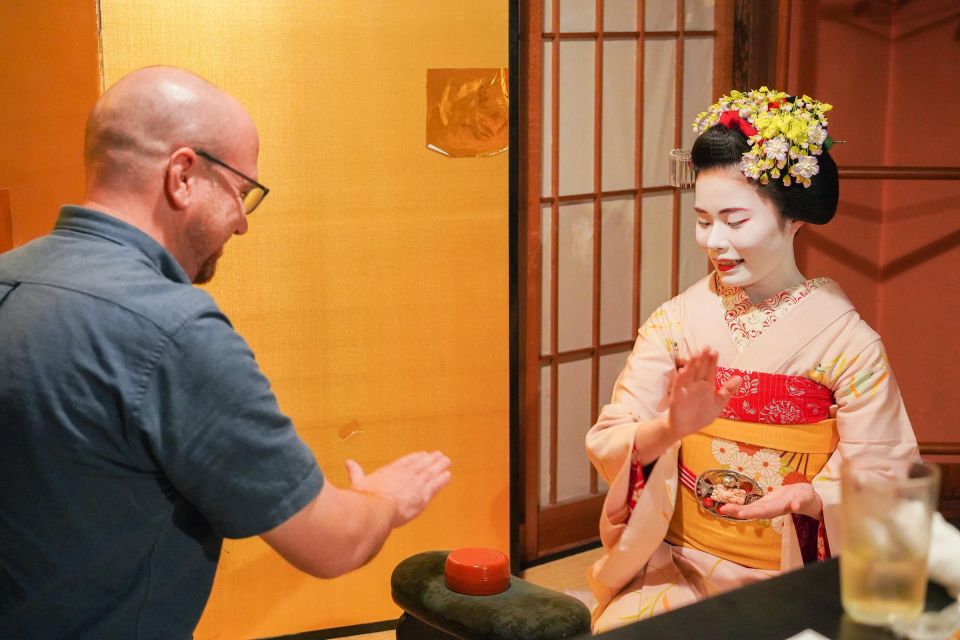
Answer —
(789, 498)
(694, 400)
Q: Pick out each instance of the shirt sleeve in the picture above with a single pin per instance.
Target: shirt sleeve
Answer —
(212, 423)
(639, 395)
(871, 420)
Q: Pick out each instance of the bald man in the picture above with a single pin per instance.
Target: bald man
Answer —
(136, 430)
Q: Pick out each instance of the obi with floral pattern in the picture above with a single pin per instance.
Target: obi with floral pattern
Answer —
(776, 430)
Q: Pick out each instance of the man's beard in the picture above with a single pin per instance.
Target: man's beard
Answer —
(208, 268)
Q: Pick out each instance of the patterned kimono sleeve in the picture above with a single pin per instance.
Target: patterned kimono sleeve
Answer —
(639, 396)
(871, 420)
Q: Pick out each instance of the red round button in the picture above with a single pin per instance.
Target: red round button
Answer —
(475, 571)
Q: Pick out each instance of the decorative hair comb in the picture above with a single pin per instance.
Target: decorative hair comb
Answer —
(681, 169)
(786, 134)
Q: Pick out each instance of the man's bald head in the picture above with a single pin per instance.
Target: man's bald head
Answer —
(143, 166)
(150, 112)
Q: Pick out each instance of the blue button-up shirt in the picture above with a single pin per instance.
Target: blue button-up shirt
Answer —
(136, 431)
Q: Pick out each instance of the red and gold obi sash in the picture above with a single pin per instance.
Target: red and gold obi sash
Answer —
(776, 429)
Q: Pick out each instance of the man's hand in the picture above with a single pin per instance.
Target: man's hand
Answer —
(408, 483)
(694, 401)
(789, 498)
(342, 529)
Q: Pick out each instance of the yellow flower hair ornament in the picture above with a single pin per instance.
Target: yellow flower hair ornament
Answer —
(786, 133)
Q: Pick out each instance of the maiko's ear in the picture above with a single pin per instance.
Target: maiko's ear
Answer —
(795, 227)
(180, 178)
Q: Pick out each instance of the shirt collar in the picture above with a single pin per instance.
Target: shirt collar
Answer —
(90, 222)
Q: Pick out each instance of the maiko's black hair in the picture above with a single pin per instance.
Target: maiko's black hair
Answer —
(720, 146)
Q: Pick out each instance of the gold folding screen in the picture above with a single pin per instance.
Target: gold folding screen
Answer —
(6, 221)
(613, 86)
(373, 282)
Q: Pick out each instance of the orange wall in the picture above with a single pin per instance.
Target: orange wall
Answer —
(892, 75)
(51, 78)
(847, 249)
(920, 243)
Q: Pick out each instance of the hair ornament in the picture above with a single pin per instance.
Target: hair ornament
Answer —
(732, 120)
(786, 133)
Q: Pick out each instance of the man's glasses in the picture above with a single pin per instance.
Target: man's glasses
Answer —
(253, 196)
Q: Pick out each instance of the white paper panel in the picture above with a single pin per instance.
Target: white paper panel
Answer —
(576, 116)
(546, 133)
(655, 259)
(698, 15)
(575, 297)
(578, 15)
(546, 251)
(660, 15)
(620, 15)
(697, 82)
(658, 100)
(619, 114)
(573, 422)
(548, 15)
(616, 271)
(544, 436)
(693, 261)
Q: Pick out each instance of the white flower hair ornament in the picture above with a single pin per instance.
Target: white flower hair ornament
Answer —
(786, 134)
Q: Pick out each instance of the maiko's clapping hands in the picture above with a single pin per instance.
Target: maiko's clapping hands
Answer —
(695, 402)
(409, 482)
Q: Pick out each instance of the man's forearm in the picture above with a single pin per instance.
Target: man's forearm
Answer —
(340, 530)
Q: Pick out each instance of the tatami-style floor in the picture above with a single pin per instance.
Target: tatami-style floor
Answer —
(566, 574)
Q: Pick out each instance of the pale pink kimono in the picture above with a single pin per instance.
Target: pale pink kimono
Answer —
(809, 330)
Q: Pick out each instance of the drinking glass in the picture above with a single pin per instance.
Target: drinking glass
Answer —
(886, 514)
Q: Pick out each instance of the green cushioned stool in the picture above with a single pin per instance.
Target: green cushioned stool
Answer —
(524, 611)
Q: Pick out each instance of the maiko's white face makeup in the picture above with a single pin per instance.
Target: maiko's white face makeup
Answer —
(744, 235)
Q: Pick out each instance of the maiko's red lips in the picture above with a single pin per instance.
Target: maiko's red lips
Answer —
(726, 265)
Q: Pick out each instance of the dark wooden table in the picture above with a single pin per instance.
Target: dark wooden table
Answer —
(774, 609)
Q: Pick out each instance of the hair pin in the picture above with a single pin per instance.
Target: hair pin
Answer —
(681, 169)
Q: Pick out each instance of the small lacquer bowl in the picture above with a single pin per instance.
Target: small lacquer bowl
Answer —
(717, 487)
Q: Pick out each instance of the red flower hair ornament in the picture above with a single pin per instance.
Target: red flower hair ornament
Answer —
(732, 120)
